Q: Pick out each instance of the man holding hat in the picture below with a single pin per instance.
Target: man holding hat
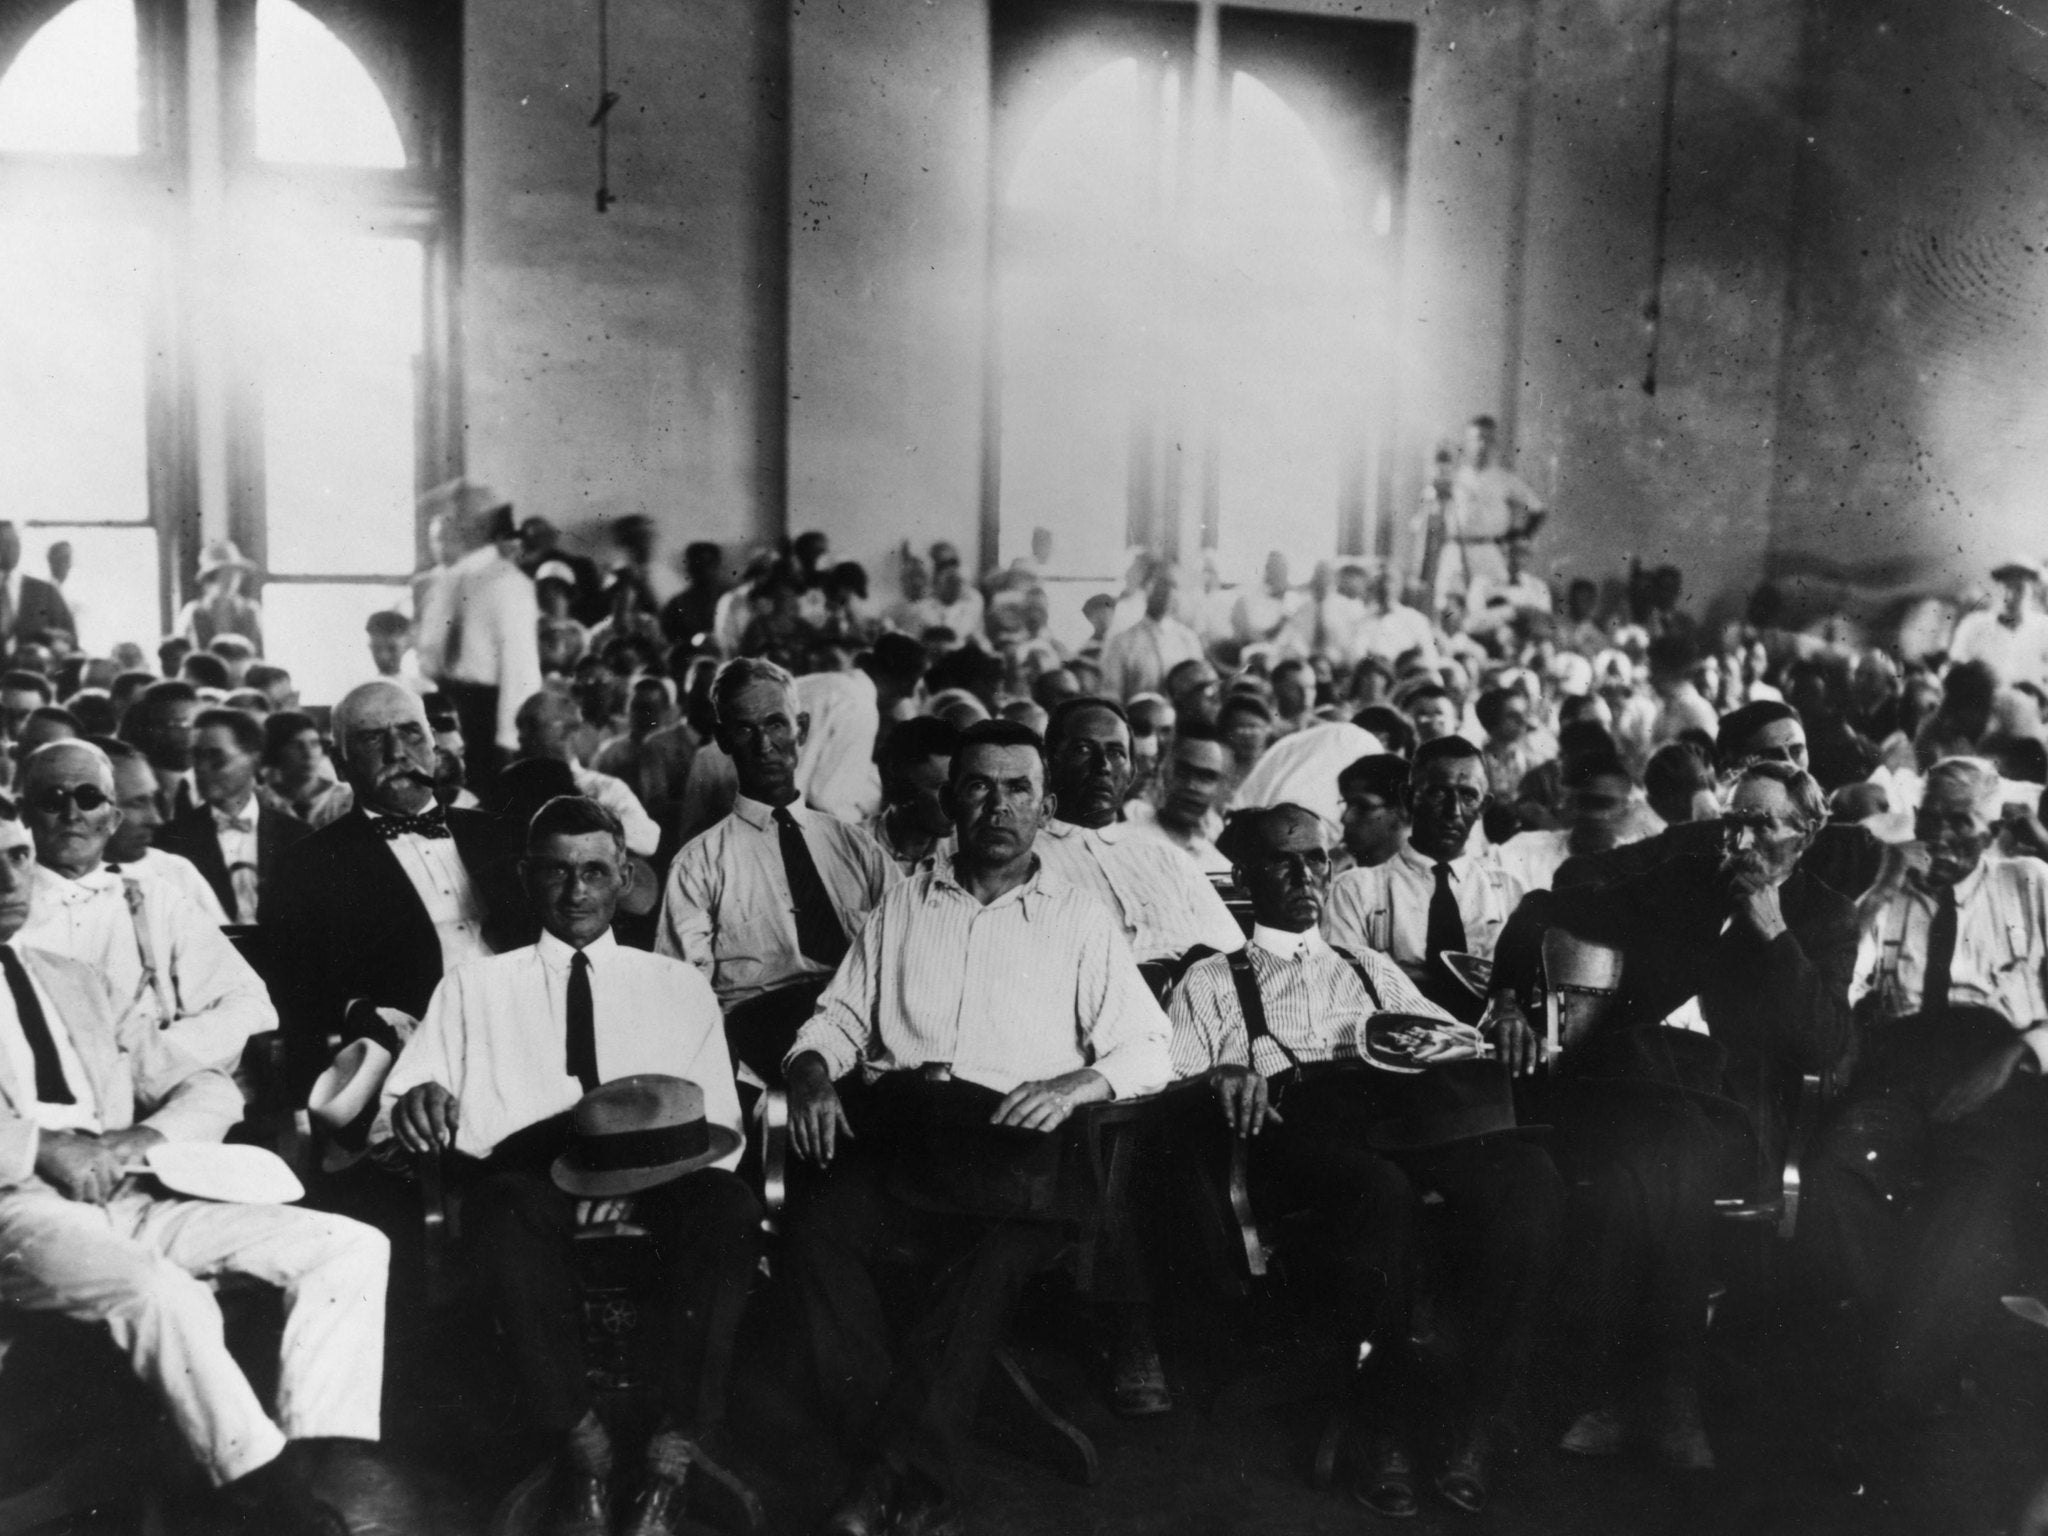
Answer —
(481, 640)
(1279, 1031)
(2013, 638)
(578, 1081)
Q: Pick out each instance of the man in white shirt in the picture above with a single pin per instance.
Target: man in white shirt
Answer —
(1265, 1025)
(158, 952)
(545, 723)
(1191, 788)
(509, 1046)
(87, 1088)
(482, 643)
(1434, 897)
(1493, 602)
(1681, 706)
(1137, 659)
(983, 1004)
(959, 606)
(1489, 501)
(836, 773)
(1948, 1108)
(231, 837)
(2012, 639)
(1275, 614)
(1169, 910)
(768, 899)
(129, 849)
(1390, 628)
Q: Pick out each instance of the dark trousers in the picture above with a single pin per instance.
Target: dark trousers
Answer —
(1644, 1171)
(904, 1394)
(1918, 1222)
(1488, 1257)
(705, 1228)
(761, 1030)
(476, 708)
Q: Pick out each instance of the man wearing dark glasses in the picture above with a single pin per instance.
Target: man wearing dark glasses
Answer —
(156, 949)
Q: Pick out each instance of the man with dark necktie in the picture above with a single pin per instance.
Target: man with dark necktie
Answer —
(233, 838)
(160, 723)
(767, 901)
(1947, 1111)
(509, 1046)
(1433, 897)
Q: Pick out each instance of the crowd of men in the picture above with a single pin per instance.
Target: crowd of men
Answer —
(1511, 942)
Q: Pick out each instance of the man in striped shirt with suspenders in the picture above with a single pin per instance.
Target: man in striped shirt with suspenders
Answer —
(1279, 1031)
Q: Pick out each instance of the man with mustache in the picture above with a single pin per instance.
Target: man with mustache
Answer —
(366, 915)
(1654, 1123)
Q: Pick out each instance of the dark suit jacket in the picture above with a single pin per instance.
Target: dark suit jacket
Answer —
(1844, 857)
(192, 835)
(1779, 1009)
(345, 926)
(41, 607)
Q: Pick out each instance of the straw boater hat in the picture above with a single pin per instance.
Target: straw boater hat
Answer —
(2019, 568)
(636, 1133)
(223, 555)
(471, 505)
(344, 1100)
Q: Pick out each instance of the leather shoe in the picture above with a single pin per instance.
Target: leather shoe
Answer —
(581, 1506)
(864, 1509)
(1385, 1483)
(1463, 1483)
(657, 1508)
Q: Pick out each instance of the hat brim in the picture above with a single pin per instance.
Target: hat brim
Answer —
(2012, 568)
(571, 1178)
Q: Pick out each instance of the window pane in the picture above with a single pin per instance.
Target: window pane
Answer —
(315, 103)
(72, 331)
(336, 327)
(112, 587)
(316, 633)
(73, 88)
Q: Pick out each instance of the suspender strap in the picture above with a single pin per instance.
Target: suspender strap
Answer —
(1254, 1009)
(1364, 977)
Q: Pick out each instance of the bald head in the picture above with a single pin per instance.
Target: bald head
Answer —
(387, 749)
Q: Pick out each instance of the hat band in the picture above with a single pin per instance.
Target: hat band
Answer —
(616, 1150)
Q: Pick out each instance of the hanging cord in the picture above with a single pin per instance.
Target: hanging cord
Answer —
(607, 98)
(1654, 310)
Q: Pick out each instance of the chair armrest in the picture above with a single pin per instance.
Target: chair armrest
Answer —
(1806, 1118)
(1239, 1190)
(772, 1116)
(442, 1222)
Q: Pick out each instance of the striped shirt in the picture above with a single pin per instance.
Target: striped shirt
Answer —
(728, 910)
(1028, 987)
(1167, 905)
(1386, 907)
(1315, 1005)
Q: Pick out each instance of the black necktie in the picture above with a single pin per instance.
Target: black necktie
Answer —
(582, 1024)
(50, 1085)
(1941, 952)
(1446, 934)
(818, 933)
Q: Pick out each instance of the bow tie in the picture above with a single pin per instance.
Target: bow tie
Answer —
(227, 823)
(427, 824)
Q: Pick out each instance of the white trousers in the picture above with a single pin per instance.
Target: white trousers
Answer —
(139, 1265)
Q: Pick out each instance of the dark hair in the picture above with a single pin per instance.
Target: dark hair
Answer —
(94, 710)
(30, 682)
(281, 729)
(387, 625)
(896, 657)
(243, 726)
(150, 704)
(264, 675)
(1245, 704)
(702, 558)
(1585, 738)
(1489, 705)
(1186, 669)
(1377, 773)
(1739, 726)
(1677, 769)
(117, 750)
(1580, 771)
(2020, 758)
(1423, 693)
(1672, 653)
(56, 712)
(230, 647)
(1196, 730)
(969, 668)
(996, 732)
(1447, 749)
(204, 669)
(848, 576)
(911, 741)
(1485, 423)
(172, 646)
(573, 816)
(1063, 713)
(1395, 731)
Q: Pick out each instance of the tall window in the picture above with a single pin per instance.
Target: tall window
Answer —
(226, 236)
(1197, 214)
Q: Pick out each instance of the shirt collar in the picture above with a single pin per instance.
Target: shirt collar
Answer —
(1063, 829)
(1282, 945)
(82, 889)
(1044, 883)
(760, 815)
(556, 955)
(1422, 862)
(1966, 888)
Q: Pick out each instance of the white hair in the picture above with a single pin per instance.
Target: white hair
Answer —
(1975, 777)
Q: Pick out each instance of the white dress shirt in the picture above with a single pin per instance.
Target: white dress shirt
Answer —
(1393, 634)
(441, 880)
(1031, 986)
(83, 1114)
(642, 835)
(1386, 907)
(496, 1036)
(1167, 906)
(236, 833)
(1314, 1002)
(494, 620)
(1136, 660)
(2017, 653)
(728, 911)
(2001, 946)
(1141, 817)
(182, 875)
(836, 772)
(199, 988)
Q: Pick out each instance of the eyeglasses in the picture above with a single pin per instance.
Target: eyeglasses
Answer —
(59, 798)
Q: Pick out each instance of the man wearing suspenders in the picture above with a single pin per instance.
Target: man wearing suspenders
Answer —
(1279, 1031)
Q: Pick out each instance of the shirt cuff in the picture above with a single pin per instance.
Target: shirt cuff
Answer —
(1133, 1073)
(837, 1052)
(2036, 1036)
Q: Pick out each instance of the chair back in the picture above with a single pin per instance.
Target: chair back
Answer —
(1580, 980)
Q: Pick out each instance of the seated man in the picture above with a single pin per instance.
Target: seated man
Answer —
(1168, 909)
(157, 951)
(77, 1068)
(914, 759)
(1433, 897)
(986, 1000)
(1265, 1026)
(1653, 1123)
(1184, 813)
(1949, 1091)
(771, 896)
(1597, 791)
(130, 849)
(545, 723)
(1373, 790)
(377, 905)
(508, 1046)
(232, 837)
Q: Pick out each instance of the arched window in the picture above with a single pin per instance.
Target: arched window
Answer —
(226, 241)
